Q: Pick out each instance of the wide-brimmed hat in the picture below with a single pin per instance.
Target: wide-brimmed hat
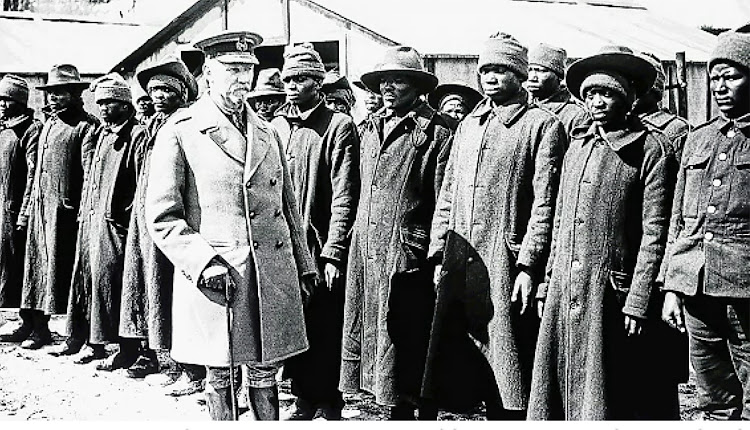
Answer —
(174, 67)
(403, 60)
(333, 81)
(268, 84)
(618, 59)
(361, 85)
(64, 75)
(467, 93)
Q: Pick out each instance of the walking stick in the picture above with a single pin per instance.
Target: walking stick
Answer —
(228, 308)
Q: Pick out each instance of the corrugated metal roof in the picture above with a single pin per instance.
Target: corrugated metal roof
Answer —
(33, 44)
(450, 27)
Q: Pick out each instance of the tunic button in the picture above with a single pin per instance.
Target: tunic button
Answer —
(730, 133)
(273, 181)
(255, 245)
(251, 215)
(708, 235)
(248, 185)
(717, 182)
(711, 209)
(279, 244)
(723, 156)
(470, 260)
(575, 265)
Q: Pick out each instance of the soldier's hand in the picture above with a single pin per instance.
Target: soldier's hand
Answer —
(216, 282)
(333, 275)
(633, 325)
(673, 311)
(307, 285)
(540, 307)
(436, 275)
(522, 290)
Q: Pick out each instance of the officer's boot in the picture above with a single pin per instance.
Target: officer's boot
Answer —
(265, 403)
(219, 402)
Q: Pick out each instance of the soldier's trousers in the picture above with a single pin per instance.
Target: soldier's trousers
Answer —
(719, 337)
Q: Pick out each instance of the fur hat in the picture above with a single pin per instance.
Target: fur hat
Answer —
(15, 88)
(302, 60)
(111, 87)
(733, 46)
(504, 50)
(550, 57)
(403, 60)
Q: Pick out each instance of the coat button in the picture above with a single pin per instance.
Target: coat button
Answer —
(248, 185)
(255, 245)
(470, 260)
(711, 209)
(731, 133)
(708, 235)
(251, 215)
(575, 265)
(273, 181)
(723, 156)
(716, 182)
(277, 213)
(279, 244)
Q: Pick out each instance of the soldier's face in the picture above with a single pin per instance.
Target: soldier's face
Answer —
(398, 92)
(730, 86)
(542, 82)
(499, 82)
(455, 109)
(301, 90)
(265, 106)
(606, 106)
(60, 98)
(165, 98)
(10, 108)
(337, 104)
(231, 82)
(373, 102)
(113, 111)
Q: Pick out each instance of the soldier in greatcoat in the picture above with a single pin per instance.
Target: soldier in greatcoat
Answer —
(147, 276)
(268, 93)
(708, 257)
(491, 233)
(322, 150)
(455, 99)
(19, 135)
(106, 206)
(546, 85)
(609, 237)
(65, 146)
(221, 207)
(389, 292)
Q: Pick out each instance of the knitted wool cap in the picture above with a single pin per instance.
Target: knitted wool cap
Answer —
(504, 50)
(111, 87)
(302, 60)
(550, 57)
(732, 46)
(661, 76)
(610, 80)
(15, 88)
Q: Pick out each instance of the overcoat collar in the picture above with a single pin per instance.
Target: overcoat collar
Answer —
(741, 123)
(507, 113)
(291, 111)
(616, 140)
(17, 120)
(419, 118)
(557, 101)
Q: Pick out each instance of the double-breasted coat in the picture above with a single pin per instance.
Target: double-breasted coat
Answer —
(106, 208)
(570, 112)
(18, 145)
(221, 192)
(65, 146)
(494, 217)
(146, 303)
(322, 149)
(610, 234)
(401, 171)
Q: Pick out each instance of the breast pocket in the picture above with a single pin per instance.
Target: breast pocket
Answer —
(739, 194)
(695, 171)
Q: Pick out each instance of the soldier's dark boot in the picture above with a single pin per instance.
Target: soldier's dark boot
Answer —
(23, 331)
(41, 336)
(219, 402)
(265, 402)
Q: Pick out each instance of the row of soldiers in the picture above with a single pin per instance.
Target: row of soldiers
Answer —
(402, 256)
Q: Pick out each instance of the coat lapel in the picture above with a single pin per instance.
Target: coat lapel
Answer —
(258, 143)
(217, 127)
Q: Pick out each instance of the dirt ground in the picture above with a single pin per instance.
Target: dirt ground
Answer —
(37, 386)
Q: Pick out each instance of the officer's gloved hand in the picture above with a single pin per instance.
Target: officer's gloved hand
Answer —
(216, 283)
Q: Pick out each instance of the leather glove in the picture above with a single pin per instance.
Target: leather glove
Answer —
(216, 283)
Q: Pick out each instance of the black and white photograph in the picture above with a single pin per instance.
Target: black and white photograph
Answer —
(375, 210)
